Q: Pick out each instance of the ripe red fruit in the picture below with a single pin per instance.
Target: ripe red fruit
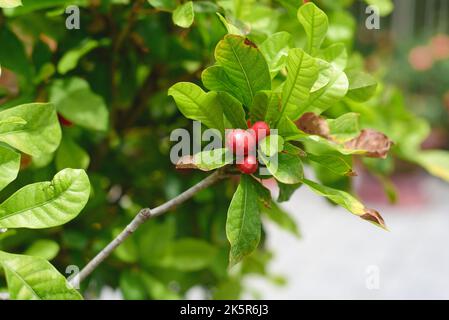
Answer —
(241, 142)
(261, 130)
(249, 165)
(65, 122)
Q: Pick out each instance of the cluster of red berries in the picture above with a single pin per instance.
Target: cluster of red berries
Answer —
(243, 144)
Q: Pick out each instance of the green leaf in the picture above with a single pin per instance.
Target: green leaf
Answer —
(10, 3)
(75, 100)
(157, 289)
(195, 104)
(362, 86)
(302, 72)
(286, 191)
(45, 249)
(286, 167)
(335, 164)
(207, 160)
(436, 162)
(347, 201)
(13, 55)
(324, 98)
(267, 107)
(229, 26)
(164, 5)
(189, 255)
(71, 155)
(46, 204)
(275, 50)
(70, 59)
(243, 226)
(315, 24)
(33, 278)
(183, 15)
(245, 66)
(271, 145)
(336, 54)
(281, 218)
(39, 133)
(215, 78)
(233, 110)
(9, 166)
(344, 127)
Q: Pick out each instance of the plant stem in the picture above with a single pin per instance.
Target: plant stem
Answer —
(140, 218)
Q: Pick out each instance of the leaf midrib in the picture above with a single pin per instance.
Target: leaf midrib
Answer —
(248, 83)
(5, 265)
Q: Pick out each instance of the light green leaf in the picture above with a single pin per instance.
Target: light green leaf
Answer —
(207, 160)
(267, 107)
(245, 66)
(347, 201)
(434, 161)
(243, 226)
(335, 164)
(75, 100)
(47, 204)
(362, 86)
(324, 98)
(335, 54)
(10, 3)
(233, 110)
(229, 26)
(195, 104)
(189, 255)
(215, 79)
(45, 249)
(183, 15)
(286, 166)
(164, 5)
(286, 191)
(344, 127)
(271, 145)
(39, 133)
(71, 155)
(315, 24)
(302, 72)
(275, 50)
(281, 218)
(33, 278)
(70, 59)
(9, 166)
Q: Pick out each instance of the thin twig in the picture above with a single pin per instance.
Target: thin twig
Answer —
(140, 218)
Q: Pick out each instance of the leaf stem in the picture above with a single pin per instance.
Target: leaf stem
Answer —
(140, 218)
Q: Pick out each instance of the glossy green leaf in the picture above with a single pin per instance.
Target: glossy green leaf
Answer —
(287, 190)
(436, 162)
(245, 66)
(286, 166)
(71, 155)
(70, 59)
(362, 86)
(47, 204)
(267, 106)
(45, 249)
(183, 15)
(335, 54)
(195, 104)
(271, 145)
(9, 166)
(275, 50)
(336, 164)
(347, 201)
(33, 278)
(165, 5)
(302, 72)
(10, 3)
(206, 160)
(233, 110)
(39, 133)
(75, 100)
(243, 226)
(344, 127)
(315, 24)
(229, 26)
(215, 78)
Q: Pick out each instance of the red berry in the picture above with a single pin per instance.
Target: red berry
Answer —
(261, 130)
(65, 122)
(249, 165)
(241, 142)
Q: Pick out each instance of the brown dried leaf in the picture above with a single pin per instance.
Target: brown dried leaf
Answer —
(312, 123)
(375, 217)
(375, 143)
(186, 162)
